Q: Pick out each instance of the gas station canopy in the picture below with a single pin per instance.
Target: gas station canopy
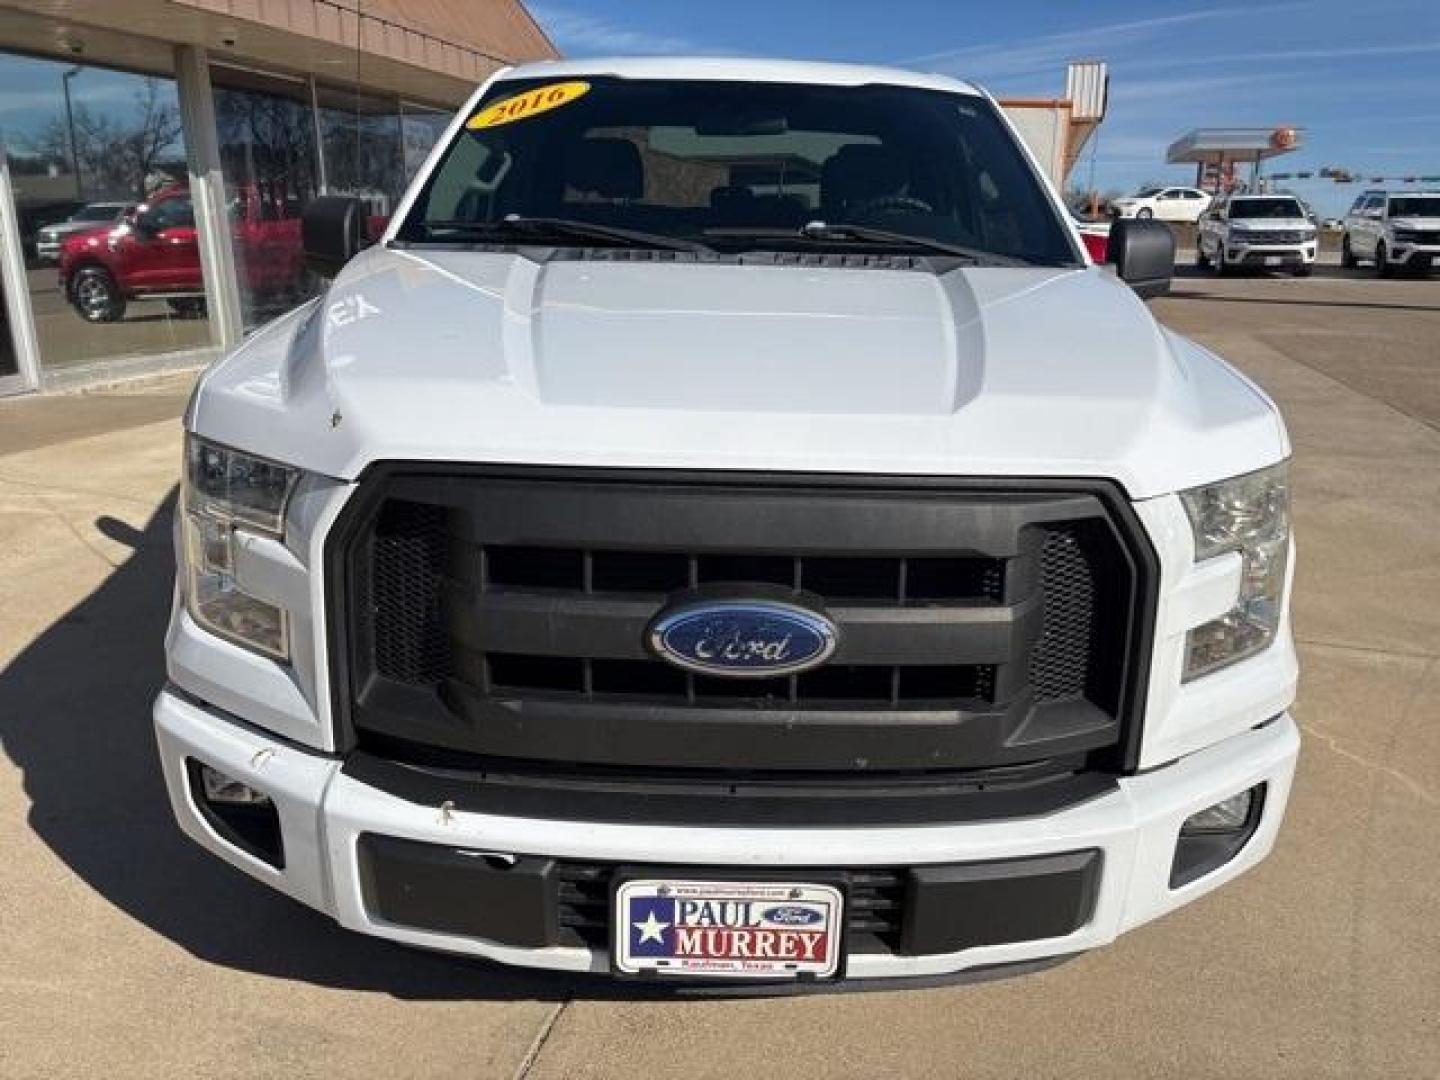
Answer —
(1216, 151)
(1212, 146)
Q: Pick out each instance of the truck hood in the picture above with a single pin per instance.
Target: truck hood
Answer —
(663, 363)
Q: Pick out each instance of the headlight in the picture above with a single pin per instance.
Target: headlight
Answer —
(226, 492)
(1250, 515)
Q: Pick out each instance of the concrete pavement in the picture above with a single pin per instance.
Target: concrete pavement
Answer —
(128, 952)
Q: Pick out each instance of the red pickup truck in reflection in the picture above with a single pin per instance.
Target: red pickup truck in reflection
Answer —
(154, 253)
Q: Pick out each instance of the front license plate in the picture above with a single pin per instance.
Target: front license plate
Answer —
(754, 929)
(1273, 260)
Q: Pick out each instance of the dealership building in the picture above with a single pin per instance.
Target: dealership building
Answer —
(227, 116)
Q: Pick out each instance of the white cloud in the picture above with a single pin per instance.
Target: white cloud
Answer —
(1344, 52)
(1048, 52)
(1203, 88)
(1045, 55)
(580, 34)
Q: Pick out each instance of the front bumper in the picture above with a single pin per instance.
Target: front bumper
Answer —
(1263, 255)
(324, 813)
(1414, 256)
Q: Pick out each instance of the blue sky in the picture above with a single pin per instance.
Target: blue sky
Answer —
(1362, 80)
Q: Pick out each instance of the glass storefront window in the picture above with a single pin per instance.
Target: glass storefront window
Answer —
(361, 141)
(270, 163)
(97, 166)
(279, 149)
(421, 128)
(9, 354)
(282, 144)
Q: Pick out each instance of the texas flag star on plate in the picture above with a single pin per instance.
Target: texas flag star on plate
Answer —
(652, 921)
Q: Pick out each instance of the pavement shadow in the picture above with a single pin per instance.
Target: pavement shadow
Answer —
(75, 719)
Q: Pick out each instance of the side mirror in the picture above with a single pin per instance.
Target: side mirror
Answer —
(1143, 252)
(332, 232)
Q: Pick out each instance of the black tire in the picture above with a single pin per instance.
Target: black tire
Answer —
(97, 296)
(1144, 213)
(1382, 261)
(188, 308)
(1347, 257)
(1201, 259)
(1222, 268)
(1304, 270)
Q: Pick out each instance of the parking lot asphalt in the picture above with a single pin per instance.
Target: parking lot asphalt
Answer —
(126, 952)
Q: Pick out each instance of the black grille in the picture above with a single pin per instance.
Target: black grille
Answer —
(874, 911)
(407, 572)
(510, 674)
(531, 901)
(836, 578)
(505, 618)
(1060, 664)
(1268, 237)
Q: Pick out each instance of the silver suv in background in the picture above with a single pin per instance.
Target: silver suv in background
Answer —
(1262, 232)
(96, 215)
(1393, 230)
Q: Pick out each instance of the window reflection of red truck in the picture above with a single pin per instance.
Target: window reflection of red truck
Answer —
(155, 254)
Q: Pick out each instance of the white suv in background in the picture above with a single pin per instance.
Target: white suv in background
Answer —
(1263, 232)
(1167, 204)
(1393, 230)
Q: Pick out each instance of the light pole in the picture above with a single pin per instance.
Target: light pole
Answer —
(70, 123)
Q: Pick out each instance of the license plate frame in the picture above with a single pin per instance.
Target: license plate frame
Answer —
(695, 944)
(1274, 260)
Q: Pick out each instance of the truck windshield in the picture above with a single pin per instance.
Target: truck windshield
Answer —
(1415, 206)
(737, 166)
(1266, 208)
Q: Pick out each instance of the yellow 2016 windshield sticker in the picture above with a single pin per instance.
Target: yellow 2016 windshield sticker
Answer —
(531, 103)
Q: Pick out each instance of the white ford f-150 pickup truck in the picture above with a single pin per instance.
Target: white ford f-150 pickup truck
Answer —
(727, 532)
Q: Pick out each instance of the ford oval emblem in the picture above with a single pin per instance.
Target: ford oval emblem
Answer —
(791, 915)
(743, 638)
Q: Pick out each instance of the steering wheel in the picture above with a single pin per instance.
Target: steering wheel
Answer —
(884, 203)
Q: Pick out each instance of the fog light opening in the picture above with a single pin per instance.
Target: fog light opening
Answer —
(1211, 837)
(219, 788)
(240, 815)
(1225, 816)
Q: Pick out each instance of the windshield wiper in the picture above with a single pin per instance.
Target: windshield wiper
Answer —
(842, 230)
(821, 230)
(541, 228)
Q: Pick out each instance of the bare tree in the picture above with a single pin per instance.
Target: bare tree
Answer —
(267, 141)
(118, 155)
